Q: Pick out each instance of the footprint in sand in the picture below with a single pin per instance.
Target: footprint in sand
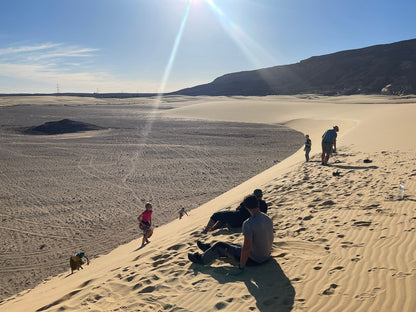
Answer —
(147, 289)
(198, 282)
(362, 223)
(400, 275)
(333, 270)
(196, 234)
(220, 305)
(64, 298)
(283, 254)
(300, 230)
(176, 247)
(155, 258)
(85, 283)
(138, 285)
(130, 278)
(330, 290)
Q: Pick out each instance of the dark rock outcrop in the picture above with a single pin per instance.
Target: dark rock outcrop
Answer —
(61, 127)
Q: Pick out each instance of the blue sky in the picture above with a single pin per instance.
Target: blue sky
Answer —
(166, 45)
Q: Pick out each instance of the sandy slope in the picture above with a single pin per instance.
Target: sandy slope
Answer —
(62, 193)
(342, 243)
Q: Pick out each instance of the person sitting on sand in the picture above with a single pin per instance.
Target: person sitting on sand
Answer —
(145, 223)
(234, 218)
(182, 212)
(308, 146)
(258, 240)
(76, 262)
(329, 144)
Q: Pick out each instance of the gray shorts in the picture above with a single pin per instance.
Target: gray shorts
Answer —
(327, 148)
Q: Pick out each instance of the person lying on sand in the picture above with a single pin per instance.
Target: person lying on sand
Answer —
(233, 218)
(258, 240)
(145, 223)
(76, 262)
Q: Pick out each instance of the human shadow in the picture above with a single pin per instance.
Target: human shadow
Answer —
(353, 167)
(406, 198)
(267, 283)
(68, 275)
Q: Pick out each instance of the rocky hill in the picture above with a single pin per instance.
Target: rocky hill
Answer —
(379, 69)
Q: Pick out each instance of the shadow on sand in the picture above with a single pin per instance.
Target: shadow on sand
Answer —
(267, 283)
(353, 167)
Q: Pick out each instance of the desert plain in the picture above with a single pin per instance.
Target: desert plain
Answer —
(83, 191)
(343, 242)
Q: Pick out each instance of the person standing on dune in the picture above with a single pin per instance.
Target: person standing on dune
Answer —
(329, 144)
(308, 146)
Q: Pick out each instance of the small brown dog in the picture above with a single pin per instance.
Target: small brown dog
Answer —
(76, 262)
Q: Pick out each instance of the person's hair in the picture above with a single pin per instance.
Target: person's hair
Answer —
(147, 205)
(251, 202)
(258, 193)
(336, 128)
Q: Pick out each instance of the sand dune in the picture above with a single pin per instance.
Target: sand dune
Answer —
(342, 243)
(65, 192)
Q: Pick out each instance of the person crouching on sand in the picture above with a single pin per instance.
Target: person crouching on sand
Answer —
(329, 144)
(145, 223)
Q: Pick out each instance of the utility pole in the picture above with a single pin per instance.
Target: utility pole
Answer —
(57, 88)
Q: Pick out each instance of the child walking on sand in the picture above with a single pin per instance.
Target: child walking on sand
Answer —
(182, 212)
(145, 223)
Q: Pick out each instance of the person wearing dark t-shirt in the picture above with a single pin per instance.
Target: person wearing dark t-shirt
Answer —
(329, 144)
(257, 246)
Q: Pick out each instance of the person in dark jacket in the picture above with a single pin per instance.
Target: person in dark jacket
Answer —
(235, 218)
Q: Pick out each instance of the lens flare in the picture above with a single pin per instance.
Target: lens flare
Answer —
(250, 47)
(156, 103)
(167, 71)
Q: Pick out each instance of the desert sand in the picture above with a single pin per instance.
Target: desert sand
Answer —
(84, 190)
(342, 243)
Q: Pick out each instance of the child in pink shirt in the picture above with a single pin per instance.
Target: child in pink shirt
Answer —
(145, 223)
